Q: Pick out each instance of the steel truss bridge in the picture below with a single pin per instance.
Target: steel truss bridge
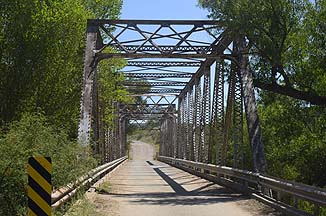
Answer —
(199, 87)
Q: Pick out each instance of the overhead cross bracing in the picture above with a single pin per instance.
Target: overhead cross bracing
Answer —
(137, 83)
(164, 63)
(138, 40)
(156, 91)
(157, 75)
(176, 56)
(161, 38)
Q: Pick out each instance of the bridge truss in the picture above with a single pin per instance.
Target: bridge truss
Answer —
(198, 86)
(198, 64)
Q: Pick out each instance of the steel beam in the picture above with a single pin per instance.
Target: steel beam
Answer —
(217, 119)
(163, 49)
(152, 22)
(154, 94)
(158, 75)
(254, 130)
(221, 44)
(175, 83)
(164, 63)
(101, 56)
(92, 43)
(156, 91)
(205, 119)
(191, 125)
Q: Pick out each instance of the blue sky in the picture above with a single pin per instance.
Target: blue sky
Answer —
(165, 10)
(162, 9)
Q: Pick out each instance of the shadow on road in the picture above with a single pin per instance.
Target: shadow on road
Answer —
(205, 194)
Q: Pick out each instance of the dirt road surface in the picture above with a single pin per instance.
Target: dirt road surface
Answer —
(146, 187)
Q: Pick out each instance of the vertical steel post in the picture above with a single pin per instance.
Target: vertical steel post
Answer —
(237, 129)
(124, 137)
(95, 116)
(185, 149)
(89, 70)
(180, 141)
(191, 123)
(186, 127)
(217, 119)
(255, 137)
(173, 132)
(228, 117)
(111, 144)
(197, 118)
(161, 139)
(205, 116)
(102, 141)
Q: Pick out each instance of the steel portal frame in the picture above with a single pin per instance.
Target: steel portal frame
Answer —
(203, 122)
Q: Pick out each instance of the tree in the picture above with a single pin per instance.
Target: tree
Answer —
(41, 64)
(111, 87)
(41, 59)
(287, 40)
(295, 139)
(279, 33)
(41, 50)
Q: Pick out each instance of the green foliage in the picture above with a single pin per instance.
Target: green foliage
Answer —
(266, 23)
(148, 136)
(287, 49)
(105, 9)
(111, 88)
(33, 136)
(104, 187)
(306, 54)
(83, 207)
(41, 59)
(295, 139)
(41, 62)
(286, 39)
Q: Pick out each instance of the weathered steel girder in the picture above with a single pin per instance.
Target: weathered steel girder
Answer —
(134, 83)
(153, 22)
(147, 42)
(164, 49)
(217, 115)
(158, 75)
(156, 91)
(213, 56)
(164, 63)
(221, 45)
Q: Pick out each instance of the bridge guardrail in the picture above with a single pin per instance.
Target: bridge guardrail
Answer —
(269, 190)
(62, 195)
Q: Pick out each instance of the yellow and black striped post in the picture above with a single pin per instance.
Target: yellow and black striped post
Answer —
(39, 186)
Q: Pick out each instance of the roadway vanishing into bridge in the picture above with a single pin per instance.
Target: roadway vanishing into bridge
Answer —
(143, 186)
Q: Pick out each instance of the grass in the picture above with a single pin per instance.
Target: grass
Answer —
(82, 207)
(104, 187)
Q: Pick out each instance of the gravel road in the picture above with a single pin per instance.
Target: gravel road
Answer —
(145, 187)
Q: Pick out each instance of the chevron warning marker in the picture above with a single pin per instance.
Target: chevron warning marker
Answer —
(39, 186)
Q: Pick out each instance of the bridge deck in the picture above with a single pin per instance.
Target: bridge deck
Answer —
(143, 186)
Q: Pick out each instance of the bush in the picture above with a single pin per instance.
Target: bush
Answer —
(32, 136)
